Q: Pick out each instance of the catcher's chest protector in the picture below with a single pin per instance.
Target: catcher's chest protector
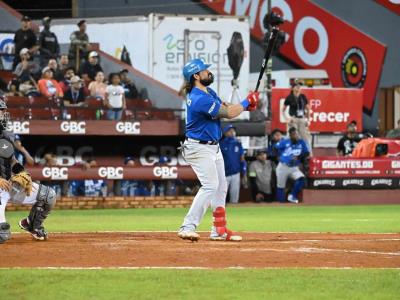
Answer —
(6, 154)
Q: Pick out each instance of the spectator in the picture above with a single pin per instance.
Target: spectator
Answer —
(260, 174)
(128, 187)
(57, 74)
(21, 154)
(292, 152)
(79, 46)
(276, 136)
(165, 187)
(395, 132)
(65, 84)
(115, 98)
(76, 95)
(48, 86)
(299, 113)
(91, 67)
(49, 160)
(26, 69)
(13, 86)
(97, 88)
(63, 64)
(348, 142)
(129, 86)
(24, 38)
(49, 47)
(95, 188)
(28, 87)
(235, 164)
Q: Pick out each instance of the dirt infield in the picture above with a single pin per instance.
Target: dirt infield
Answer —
(257, 250)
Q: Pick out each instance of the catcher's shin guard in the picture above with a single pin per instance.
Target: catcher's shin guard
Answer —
(221, 232)
(5, 232)
(46, 198)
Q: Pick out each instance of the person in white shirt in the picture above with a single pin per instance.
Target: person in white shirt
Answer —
(115, 98)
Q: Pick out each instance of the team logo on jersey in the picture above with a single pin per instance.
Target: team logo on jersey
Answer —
(236, 149)
(354, 68)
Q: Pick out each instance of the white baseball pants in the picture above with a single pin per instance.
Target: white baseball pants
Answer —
(19, 198)
(208, 164)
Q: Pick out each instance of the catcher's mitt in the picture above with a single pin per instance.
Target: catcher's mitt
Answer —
(23, 179)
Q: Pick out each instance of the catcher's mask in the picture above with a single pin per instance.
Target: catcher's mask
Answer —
(4, 115)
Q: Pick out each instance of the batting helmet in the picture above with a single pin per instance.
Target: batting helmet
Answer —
(192, 67)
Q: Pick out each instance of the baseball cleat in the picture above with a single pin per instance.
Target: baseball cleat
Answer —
(5, 232)
(292, 199)
(189, 235)
(227, 236)
(39, 234)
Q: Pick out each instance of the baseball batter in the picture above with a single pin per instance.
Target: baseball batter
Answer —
(16, 186)
(202, 152)
(291, 153)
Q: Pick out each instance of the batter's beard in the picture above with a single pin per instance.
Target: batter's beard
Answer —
(208, 81)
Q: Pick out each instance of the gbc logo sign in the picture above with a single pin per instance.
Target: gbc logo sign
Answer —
(396, 164)
(73, 127)
(18, 127)
(128, 127)
(166, 172)
(55, 173)
(111, 172)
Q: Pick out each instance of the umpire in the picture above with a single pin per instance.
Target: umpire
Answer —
(235, 163)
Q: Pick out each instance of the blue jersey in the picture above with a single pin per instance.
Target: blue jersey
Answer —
(232, 152)
(290, 153)
(201, 112)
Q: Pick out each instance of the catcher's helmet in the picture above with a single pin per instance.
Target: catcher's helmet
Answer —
(5, 115)
(192, 67)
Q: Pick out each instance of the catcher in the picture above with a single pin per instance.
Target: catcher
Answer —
(17, 187)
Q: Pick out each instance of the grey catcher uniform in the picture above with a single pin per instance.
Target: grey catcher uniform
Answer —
(41, 197)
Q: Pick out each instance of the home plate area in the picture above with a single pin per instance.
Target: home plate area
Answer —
(166, 250)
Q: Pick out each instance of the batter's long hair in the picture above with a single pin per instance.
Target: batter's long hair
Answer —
(187, 87)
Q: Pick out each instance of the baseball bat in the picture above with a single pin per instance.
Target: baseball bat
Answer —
(268, 52)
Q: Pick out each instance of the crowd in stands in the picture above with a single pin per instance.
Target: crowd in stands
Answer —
(39, 69)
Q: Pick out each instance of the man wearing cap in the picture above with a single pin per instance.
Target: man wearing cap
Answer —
(76, 95)
(26, 68)
(79, 46)
(234, 161)
(260, 174)
(91, 67)
(202, 152)
(48, 86)
(49, 47)
(24, 38)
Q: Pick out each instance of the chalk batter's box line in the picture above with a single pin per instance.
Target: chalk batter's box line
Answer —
(250, 232)
(195, 268)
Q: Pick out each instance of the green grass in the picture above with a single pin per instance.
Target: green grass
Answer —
(376, 218)
(209, 284)
(200, 284)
